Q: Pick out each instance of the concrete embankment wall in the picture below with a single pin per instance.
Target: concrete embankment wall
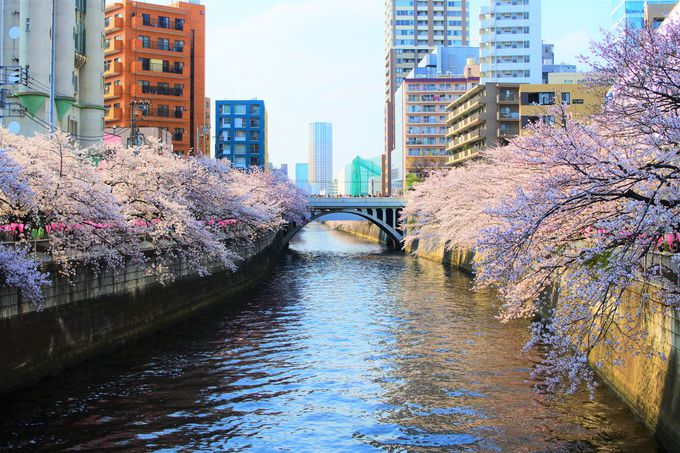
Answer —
(97, 313)
(649, 385)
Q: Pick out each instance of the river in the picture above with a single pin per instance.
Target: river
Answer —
(346, 347)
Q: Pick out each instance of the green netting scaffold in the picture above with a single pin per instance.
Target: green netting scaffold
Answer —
(363, 171)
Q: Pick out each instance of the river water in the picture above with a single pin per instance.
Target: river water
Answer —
(347, 347)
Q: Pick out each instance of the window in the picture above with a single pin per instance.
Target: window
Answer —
(145, 63)
(240, 148)
(146, 19)
(179, 111)
(255, 122)
(240, 162)
(240, 136)
(225, 110)
(544, 98)
(254, 135)
(179, 134)
(163, 44)
(179, 67)
(239, 122)
(163, 22)
(566, 98)
(146, 41)
(179, 24)
(226, 122)
(179, 46)
(254, 161)
(255, 148)
(240, 109)
(163, 111)
(254, 109)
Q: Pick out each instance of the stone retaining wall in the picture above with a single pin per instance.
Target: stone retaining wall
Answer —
(97, 313)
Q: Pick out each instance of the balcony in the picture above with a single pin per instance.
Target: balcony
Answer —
(507, 98)
(463, 124)
(113, 91)
(508, 132)
(113, 68)
(507, 116)
(114, 46)
(112, 24)
(113, 115)
(461, 109)
(158, 70)
(149, 90)
(169, 27)
(464, 139)
(153, 47)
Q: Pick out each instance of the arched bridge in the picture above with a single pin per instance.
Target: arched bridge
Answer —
(382, 211)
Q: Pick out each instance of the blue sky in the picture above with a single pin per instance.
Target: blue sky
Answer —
(322, 60)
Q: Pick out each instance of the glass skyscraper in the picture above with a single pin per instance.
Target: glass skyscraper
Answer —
(321, 157)
(632, 12)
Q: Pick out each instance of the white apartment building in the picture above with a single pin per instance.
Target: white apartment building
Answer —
(510, 47)
(321, 157)
(26, 41)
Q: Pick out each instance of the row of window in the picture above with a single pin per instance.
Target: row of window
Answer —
(162, 44)
(162, 22)
(240, 109)
(157, 65)
(241, 122)
(240, 135)
(240, 148)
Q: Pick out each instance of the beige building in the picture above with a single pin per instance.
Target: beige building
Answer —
(27, 40)
(536, 101)
(486, 115)
(491, 114)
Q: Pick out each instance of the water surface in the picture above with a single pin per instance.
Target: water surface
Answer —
(347, 347)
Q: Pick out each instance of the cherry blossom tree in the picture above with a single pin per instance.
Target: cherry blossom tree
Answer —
(70, 199)
(575, 210)
(186, 212)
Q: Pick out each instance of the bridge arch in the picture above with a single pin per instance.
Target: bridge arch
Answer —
(382, 212)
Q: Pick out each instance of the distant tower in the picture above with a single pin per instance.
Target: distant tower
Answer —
(321, 157)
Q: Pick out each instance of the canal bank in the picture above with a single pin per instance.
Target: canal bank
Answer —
(650, 386)
(97, 313)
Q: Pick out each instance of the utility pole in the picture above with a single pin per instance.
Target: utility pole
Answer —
(52, 56)
(142, 106)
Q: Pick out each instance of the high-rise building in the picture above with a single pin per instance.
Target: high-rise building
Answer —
(155, 68)
(510, 50)
(241, 133)
(26, 41)
(302, 177)
(413, 29)
(632, 12)
(321, 157)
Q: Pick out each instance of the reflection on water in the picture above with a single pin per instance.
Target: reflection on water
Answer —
(347, 347)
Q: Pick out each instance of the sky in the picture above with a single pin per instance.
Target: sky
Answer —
(323, 60)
